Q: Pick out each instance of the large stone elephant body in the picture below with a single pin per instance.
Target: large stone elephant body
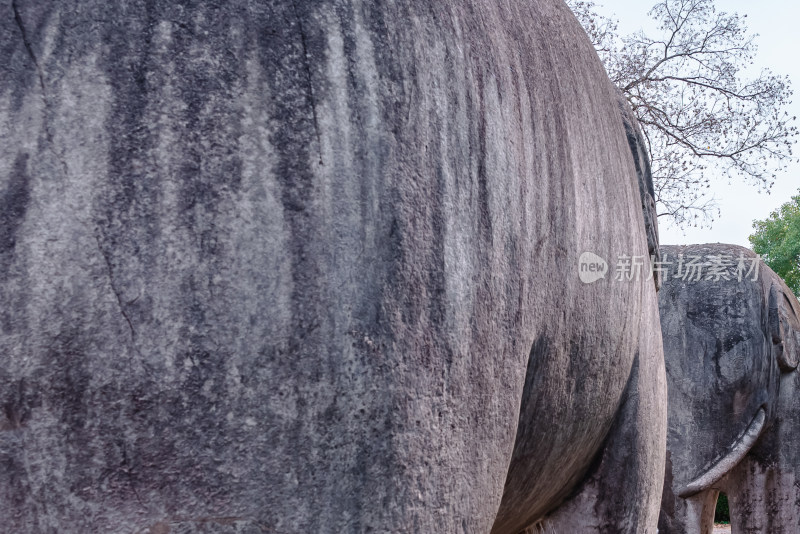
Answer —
(313, 267)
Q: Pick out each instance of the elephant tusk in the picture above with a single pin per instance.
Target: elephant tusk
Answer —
(740, 448)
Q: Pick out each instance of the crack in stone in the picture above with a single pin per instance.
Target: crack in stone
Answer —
(128, 470)
(40, 75)
(307, 67)
(116, 292)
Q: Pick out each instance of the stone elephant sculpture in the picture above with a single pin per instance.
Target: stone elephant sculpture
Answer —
(313, 267)
(764, 488)
(730, 329)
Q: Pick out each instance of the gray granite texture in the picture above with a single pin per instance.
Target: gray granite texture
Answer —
(306, 267)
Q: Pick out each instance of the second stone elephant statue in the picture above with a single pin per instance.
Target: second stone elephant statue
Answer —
(731, 331)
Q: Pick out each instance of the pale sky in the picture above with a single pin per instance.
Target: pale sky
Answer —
(778, 42)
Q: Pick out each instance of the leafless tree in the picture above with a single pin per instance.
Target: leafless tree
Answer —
(699, 113)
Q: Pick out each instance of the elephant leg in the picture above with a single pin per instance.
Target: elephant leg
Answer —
(763, 498)
(623, 491)
(695, 514)
(688, 516)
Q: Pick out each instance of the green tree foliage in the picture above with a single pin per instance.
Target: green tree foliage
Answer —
(722, 514)
(777, 241)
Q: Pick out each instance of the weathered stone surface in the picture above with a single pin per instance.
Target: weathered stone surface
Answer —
(295, 267)
(730, 348)
(764, 489)
(617, 494)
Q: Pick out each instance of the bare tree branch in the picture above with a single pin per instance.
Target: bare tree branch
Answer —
(699, 116)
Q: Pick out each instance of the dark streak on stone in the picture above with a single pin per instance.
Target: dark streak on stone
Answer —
(14, 203)
(45, 101)
(309, 80)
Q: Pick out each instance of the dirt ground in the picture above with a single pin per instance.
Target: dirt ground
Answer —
(722, 529)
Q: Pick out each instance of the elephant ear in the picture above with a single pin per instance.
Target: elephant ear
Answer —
(784, 329)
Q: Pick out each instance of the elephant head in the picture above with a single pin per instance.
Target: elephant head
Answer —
(764, 488)
(730, 330)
